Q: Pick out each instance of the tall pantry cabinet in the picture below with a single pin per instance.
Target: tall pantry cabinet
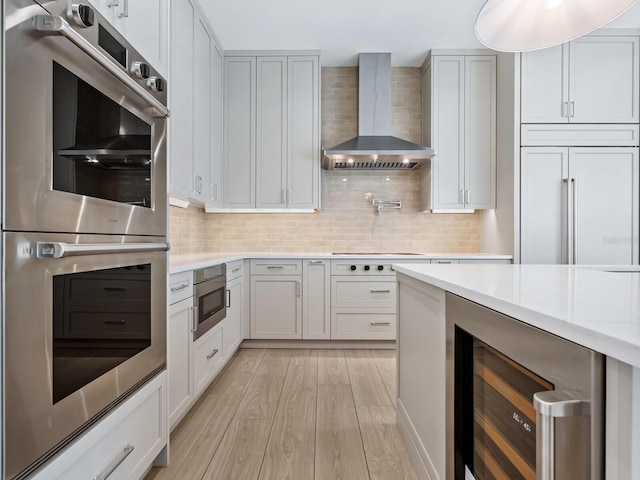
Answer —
(272, 132)
(579, 165)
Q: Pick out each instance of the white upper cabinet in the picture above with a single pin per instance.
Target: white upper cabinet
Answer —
(272, 117)
(195, 101)
(145, 23)
(593, 79)
(460, 113)
(239, 132)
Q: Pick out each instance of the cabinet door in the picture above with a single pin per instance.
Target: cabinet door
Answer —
(181, 98)
(216, 187)
(545, 85)
(179, 340)
(271, 132)
(239, 132)
(605, 205)
(202, 109)
(145, 24)
(604, 80)
(448, 131)
(544, 213)
(232, 334)
(303, 145)
(276, 307)
(106, 8)
(480, 132)
(316, 302)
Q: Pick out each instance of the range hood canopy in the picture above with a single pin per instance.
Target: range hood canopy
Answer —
(374, 147)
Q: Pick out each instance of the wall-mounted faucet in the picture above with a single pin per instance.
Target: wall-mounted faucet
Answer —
(380, 204)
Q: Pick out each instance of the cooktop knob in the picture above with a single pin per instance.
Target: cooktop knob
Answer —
(380, 267)
(367, 268)
(140, 69)
(156, 84)
(82, 15)
(353, 267)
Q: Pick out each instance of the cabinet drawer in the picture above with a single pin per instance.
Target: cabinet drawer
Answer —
(360, 324)
(180, 286)
(235, 269)
(207, 358)
(140, 423)
(354, 292)
(276, 267)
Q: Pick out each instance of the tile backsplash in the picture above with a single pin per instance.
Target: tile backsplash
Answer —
(347, 221)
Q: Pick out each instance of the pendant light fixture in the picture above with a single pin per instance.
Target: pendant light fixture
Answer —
(523, 25)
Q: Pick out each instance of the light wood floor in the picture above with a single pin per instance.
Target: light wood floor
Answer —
(297, 415)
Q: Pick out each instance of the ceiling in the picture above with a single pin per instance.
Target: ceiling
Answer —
(343, 28)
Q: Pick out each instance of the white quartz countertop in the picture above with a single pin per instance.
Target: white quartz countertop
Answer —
(185, 262)
(590, 306)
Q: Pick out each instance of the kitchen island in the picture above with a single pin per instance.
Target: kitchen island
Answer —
(596, 307)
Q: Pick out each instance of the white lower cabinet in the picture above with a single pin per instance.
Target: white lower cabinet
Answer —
(232, 334)
(179, 341)
(316, 299)
(208, 358)
(276, 306)
(135, 432)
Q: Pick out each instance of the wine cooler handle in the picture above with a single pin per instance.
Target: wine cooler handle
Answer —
(550, 405)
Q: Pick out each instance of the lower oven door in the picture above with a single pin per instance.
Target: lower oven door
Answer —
(81, 332)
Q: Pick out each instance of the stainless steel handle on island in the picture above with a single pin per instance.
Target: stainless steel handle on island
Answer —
(115, 464)
(550, 405)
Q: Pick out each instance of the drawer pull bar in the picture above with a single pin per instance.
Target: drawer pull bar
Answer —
(114, 322)
(212, 354)
(114, 289)
(271, 267)
(115, 464)
(315, 262)
(237, 269)
(378, 324)
(380, 291)
(179, 287)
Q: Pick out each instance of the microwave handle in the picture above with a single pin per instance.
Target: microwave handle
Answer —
(61, 250)
(550, 405)
(55, 23)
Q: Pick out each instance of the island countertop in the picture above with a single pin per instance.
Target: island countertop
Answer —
(590, 306)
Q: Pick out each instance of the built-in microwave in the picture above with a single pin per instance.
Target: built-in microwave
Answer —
(210, 294)
(85, 125)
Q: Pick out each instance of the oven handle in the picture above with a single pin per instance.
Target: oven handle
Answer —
(550, 405)
(55, 23)
(62, 250)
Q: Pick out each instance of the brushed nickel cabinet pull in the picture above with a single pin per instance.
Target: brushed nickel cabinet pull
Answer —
(212, 354)
(115, 464)
(379, 324)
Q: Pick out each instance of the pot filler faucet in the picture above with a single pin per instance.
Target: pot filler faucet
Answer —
(380, 204)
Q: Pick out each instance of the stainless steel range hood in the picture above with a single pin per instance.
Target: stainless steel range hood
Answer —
(374, 148)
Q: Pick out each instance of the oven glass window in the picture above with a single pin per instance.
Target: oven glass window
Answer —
(100, 149)
(210, 304)
(100, 319)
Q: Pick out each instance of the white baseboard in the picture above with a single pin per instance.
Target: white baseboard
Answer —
(320, 344)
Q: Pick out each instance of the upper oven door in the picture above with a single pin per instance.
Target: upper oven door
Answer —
(80, 330)
(85, 137)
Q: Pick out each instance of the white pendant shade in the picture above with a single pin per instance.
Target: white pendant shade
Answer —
(522, 25)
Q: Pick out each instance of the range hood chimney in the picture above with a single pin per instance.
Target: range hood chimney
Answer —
(374, 148)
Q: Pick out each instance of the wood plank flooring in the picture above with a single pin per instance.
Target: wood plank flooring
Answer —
(282, 414)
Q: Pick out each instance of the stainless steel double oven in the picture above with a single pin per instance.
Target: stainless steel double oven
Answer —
(84, 220)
